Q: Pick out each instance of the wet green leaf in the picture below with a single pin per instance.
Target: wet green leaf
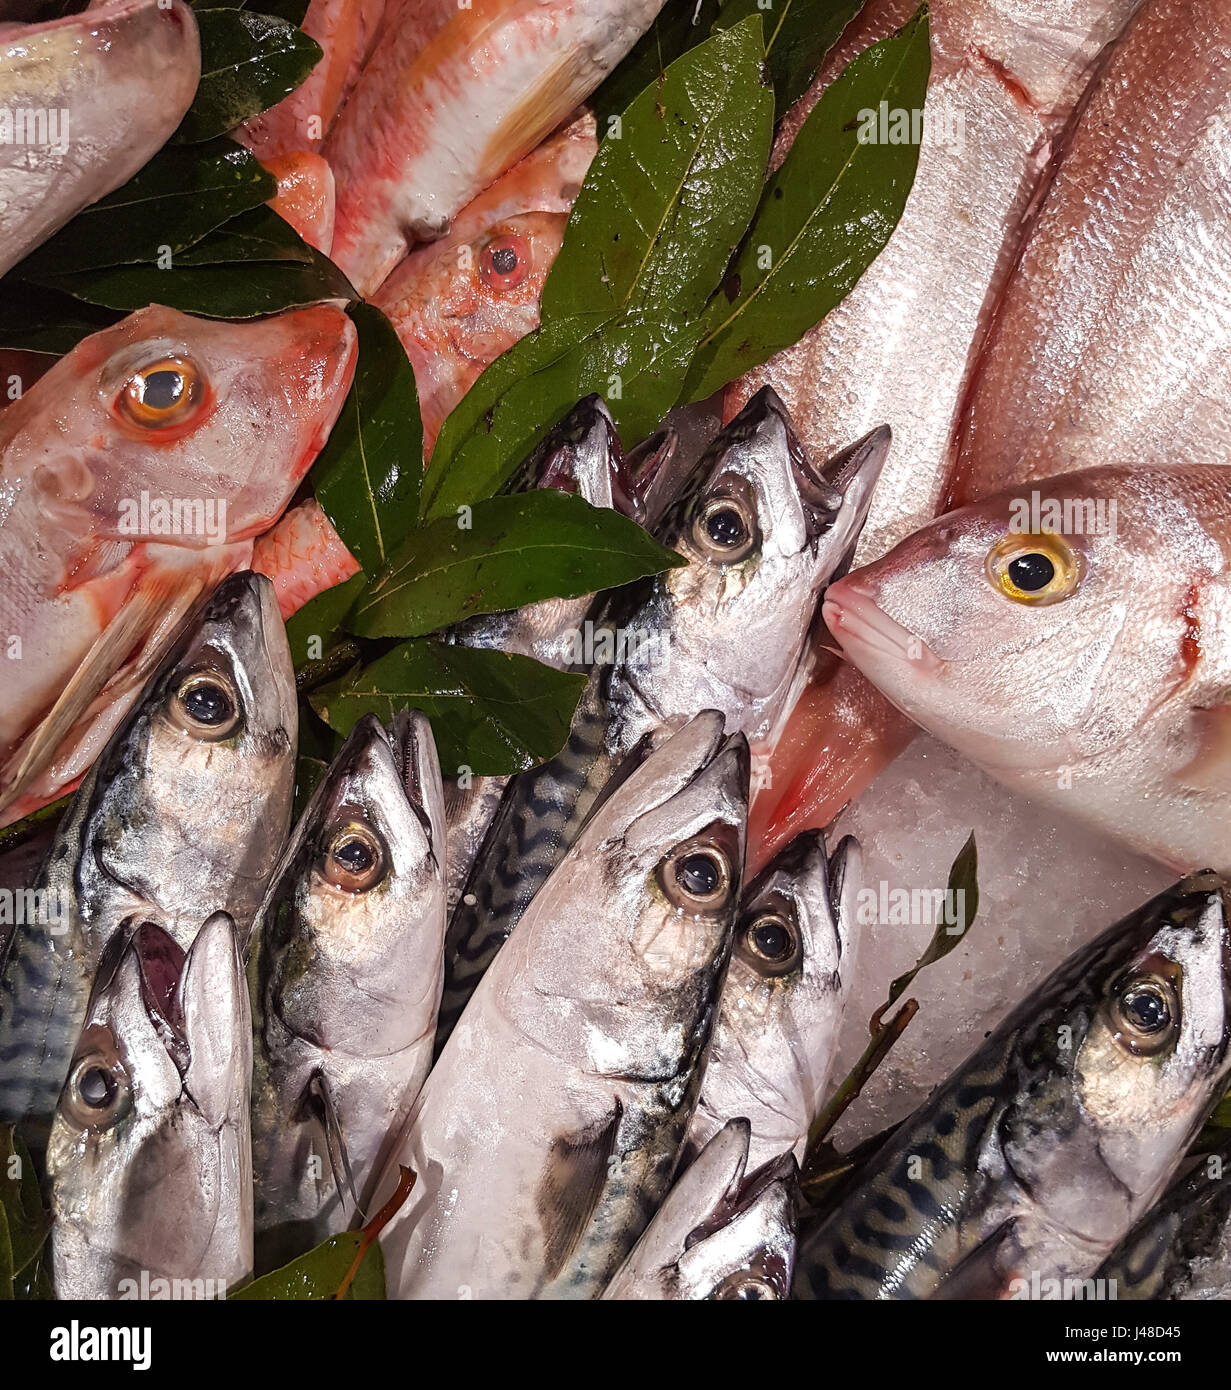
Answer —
(491, 712)
(368, 475)
(826, 214)
(249, 62)
(679, 26)
(258, 235)
(798, 35)
(23, 1222)
(318, 1275)
(963, 890)
(293, 11)
(650, 236)
(312, 629)
(501, 554)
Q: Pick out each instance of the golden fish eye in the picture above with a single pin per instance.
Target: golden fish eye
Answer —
(168, 394)
(1034, 569)
(724, 531)
(1145, 1014)
(354, 858)
(205, 705)
(697, 878)
(96, 1093)
(770, 943)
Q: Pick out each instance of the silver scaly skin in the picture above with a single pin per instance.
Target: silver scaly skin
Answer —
(150, 1162)
(717, 1235)
(792, 966)
(764, 532)
(348, 971)
(595, 1018)
(1039, 1154)
(183, 815)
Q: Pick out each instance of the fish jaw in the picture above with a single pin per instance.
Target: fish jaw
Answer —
(430, 126)
(124, 75)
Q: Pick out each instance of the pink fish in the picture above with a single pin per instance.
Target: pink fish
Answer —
(459, 302)
(429, 126)
(133, 476)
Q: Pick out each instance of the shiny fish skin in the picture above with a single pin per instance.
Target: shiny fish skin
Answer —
(156, 1182)
(595, 1017)
(1113, 340)
(779, 1017)
(125, 74)
(429, 126)
(717, 1236)
(172, 823)
(1108, 704)
(1054, 1138)
(349, 975)
(727, 632)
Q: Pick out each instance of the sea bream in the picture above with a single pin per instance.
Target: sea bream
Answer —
(763, 530)
(719, 1234)
(133, 477)
(459, 302)
(1073, 638)
(792, 965)
(1036, 1157)
(349, 965)
(429, 126)
(150, 1163)
(1112, 343)
(85, 101)
(183, 814)
(548, 1131)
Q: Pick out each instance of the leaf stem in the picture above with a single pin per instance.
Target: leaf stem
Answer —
(325, 668)
(377, 1224)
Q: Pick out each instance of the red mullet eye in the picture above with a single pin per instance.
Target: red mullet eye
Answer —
(505, 262)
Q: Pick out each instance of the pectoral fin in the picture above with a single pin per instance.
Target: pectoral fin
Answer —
(578, 1167)
(319, 1103)
(986, 1273)
(1210, 770)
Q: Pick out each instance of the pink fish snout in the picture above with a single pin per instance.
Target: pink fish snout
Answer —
(865, 632)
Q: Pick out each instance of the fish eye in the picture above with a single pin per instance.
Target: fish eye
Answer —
(505, 262)
(724, 530)
(1034, 569)
(168, 394)
(354, 857)
(97, 1091)
(1145, 1014)
(746, 1288)
(770, 943)
(206, 706)
(698, 878)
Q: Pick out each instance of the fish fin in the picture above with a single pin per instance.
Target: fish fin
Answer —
(984, 1274)
(1210, 769)
(318, 1101)
(572, 1183)
(158, 604)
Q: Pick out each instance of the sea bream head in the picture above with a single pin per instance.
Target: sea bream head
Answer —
(352, 931)
(1118, 1060)
(764, 532)
(149, 1159)
(792, 965)
(618, 961)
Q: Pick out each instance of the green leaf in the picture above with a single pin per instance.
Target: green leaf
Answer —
(826, 215)
(179, 196)
(963, 880)
(798, 35)
(659, 214)
(319, 1273)
(258, 235)
(36, 319)
(23, 1222)
(321, 617)
(249, 62)
(293, 11)
(368, 475)
(515, 550)
(491, 712)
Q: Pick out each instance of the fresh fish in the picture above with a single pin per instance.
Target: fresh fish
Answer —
(1112, 343)
(791, 968)
(429, 126)
(183, 815)
(1005, 78)
(349, 945)
(124, 498)
(96, 95)
(581, 454)
(302, 556)
(347, 31)
(150, 1162)
(459, 302)
(306, 196)
(1086, 666)
(717, 1236)
(764, 531)
(595, 1018)
(1039, 1153)
(1168, 1252)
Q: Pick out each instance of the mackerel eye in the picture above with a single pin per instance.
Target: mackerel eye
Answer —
(698, 878)
(1145, 1015)
(505, 262)
(746, 1288)
(770, 943)
(205, 705)
(1034, 569)
(96, 1092)
(355, 858)
(724, 530)
(169, 394)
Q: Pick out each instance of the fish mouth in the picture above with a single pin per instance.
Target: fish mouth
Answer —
(864, 630)
(582, 453)
(160, 961)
